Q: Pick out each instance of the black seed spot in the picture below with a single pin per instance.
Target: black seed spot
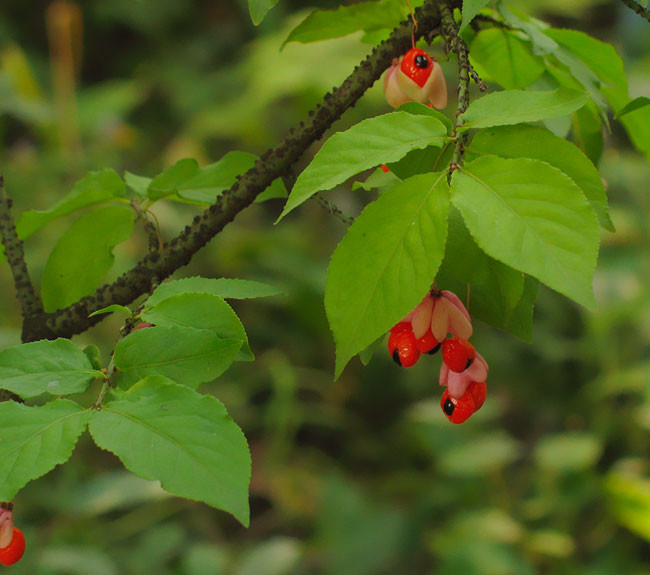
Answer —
(469, 362)
(421, 61)
(434, 350)
(396, 358)
(448, 407)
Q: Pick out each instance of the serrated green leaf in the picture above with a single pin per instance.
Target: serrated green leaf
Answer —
(633, 106)
(227, 288)
(111, 309)
(540, 144)
(470, 9)
(374, 141)
(499, 55)
(169, 180)
(259, 9)
(532, 217)
(34, 440)
(56, 367)
(95, 188)
(186, 355)
(386, 263)
(517, 106)
(495, 288)
(601, 58)
(347, 19)
(200, 311)
(137, 184)
(418, 109)
(83, 255)
(187, 441)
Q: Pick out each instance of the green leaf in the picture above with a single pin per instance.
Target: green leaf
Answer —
(95, 356)
(532, 217)
(542, 44)
(629, 497)
(567, 452)
(421, 110)
(601, 58)
(517, 106)
(34, 440)
(521, 318)
(588, 132)
(186, 355)
(200, 311)
(347, 19)
(210, 182)
(633, 106)
(83, 255)
(95, 188)
(495, 288)
(112, 308)
(187, 441)
(169, 180)
(470, 9)
(227, 288)
(540, 144)
(56, 367)
(374, 141)
(386, 263)
(501, 56)
(259, 9)
(137, 184)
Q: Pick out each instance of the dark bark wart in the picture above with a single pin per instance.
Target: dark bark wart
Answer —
(274, 163)
(30, 304)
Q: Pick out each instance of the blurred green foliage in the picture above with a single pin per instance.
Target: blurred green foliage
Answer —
(363, 476)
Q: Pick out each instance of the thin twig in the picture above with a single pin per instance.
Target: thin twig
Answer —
(640, 10)
(333, 209)
(456, 44)
(274, 163)
(30, 304)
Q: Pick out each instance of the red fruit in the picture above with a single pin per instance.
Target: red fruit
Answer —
(142, 325)
(459, 410)
(384, 168)
(427, 343)
(402, 346)
(14, 551)
(417, 65)
(458, 354)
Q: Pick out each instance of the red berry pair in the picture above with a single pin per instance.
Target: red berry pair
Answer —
(405, 348)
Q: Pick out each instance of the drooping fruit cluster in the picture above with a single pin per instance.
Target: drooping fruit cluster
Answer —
(415, 77)
(12, 540)
(425, 330)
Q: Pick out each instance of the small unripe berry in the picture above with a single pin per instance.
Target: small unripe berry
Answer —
(13, 552)
(458, 354)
